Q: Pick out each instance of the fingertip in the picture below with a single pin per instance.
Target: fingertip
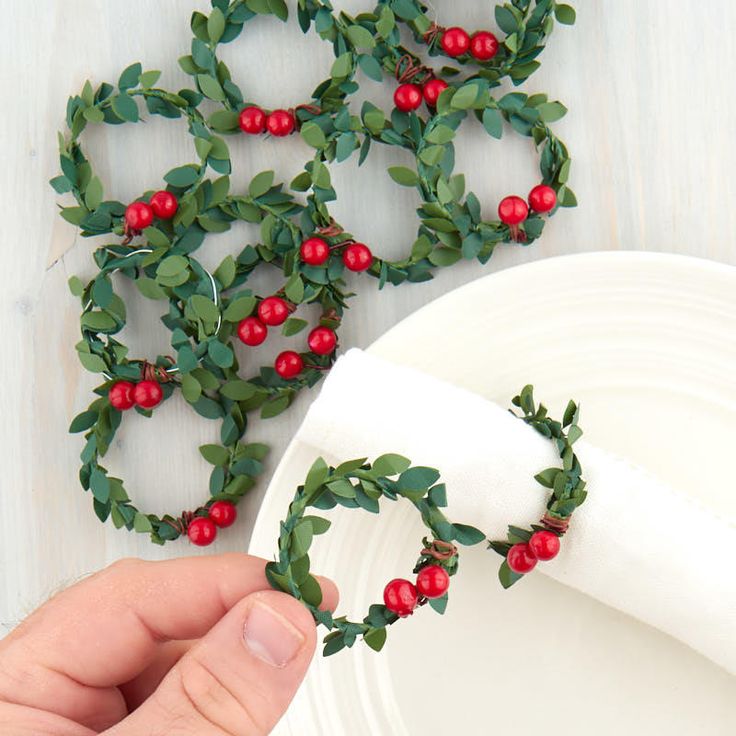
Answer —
(330, 594)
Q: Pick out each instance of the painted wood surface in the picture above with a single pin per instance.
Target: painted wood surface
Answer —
(649, 127)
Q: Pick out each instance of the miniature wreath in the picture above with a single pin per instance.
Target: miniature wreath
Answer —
(357, 484)
(525, 547)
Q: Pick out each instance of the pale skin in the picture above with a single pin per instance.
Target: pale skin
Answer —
(182, 647)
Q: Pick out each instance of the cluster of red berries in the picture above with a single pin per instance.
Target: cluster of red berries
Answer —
(139, 215)
(401, 596)
(202, 530)
(456, 41)
(409, 96)
(124, 395)
(254, 121)
(542, 546)
(514, 210)
(273, 311)
(355, 256)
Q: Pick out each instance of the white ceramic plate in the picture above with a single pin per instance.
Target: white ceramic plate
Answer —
(647, 343)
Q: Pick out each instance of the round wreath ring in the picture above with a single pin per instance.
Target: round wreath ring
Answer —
(451, 225)
(357, 484)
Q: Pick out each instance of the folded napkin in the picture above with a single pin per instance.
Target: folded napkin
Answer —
(634, 543)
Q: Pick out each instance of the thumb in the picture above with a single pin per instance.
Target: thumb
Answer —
(239, 679)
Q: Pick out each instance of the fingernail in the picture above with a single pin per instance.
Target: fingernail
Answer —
(270, 637)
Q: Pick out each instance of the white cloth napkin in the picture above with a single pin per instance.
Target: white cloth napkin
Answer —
(635, 543)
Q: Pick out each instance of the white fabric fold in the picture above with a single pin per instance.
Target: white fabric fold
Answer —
(636, 544)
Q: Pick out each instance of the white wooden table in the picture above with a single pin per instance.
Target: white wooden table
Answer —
(651, 133)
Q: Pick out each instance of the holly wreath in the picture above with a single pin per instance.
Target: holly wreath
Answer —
(152, 240)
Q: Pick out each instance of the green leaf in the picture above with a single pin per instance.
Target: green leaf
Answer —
(76, 286)
(149, 288)
(172, 266)
(467, 535)
(465, 97)
(417, 478)
(130, 76)
(293, 326)
(493, 122)
(360, 37)
(183, 176)
(316, 476)
(294, 289)
(439, 604)
(82, 422)
(279, 9)
(204, 308)
(216, 25)
(386, 22)
(506, 20)
(238, 390)
(94, 115)
(210, 87)
(148, 79)
(551, 111)
(370, 67)
(223, 121)
(239, 308)
(142, 524)
(403, 175)
(215, 454)
(222, 356)
(274, 407)
(343, 66)
(125, 108)
(99, 484)
(92, 363)
(390, 464)
(565, 14)
(313, 135)
(375, 638)
(507, 576)
(260, 184)
(319, 525)
(301, 538)
(191, 388)
(93, 193)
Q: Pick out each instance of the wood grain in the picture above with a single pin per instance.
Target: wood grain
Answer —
(649, 127)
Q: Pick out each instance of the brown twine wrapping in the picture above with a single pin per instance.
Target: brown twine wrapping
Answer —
(409, 70)
(440, 550)
(152, 372)
(434, 31)
(559, 526)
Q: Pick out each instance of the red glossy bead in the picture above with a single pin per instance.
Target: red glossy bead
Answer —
(138, 216)
(433, 581)
(544, 545)
(280, 123)
(288, 364)
(542, 198)
(164, 204)
(357, 257)
(432, 91)
(273, 311)
(401, 597)
(408, 97)
(512, 210)
(252, 120)
(147, 394)
(483, 45)
(520, 559)
(322, 341)
(121, 395)
(455, 41)
(252, 331)
(314, 251)
(202, 531)
(223, 513)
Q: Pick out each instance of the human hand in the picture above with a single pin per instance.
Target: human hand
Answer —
(190, 646)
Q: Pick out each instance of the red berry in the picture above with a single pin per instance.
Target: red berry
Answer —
(357, 257)
(520, 559)
(542, 198)
(164, 205)
(138, 216)
(280, 123)
(273, 311)
(202, 531)
(223, 513)
(121, 395)
(401, 597)
(408, 97)
(455, 41)
(322, 341)
(433, 581)
(544, 545)
(252, 331)
(483, 45)
(314, 251)
(432, 91)
(252, 120)
(288, 364)
(512, 210)
(147, 394)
